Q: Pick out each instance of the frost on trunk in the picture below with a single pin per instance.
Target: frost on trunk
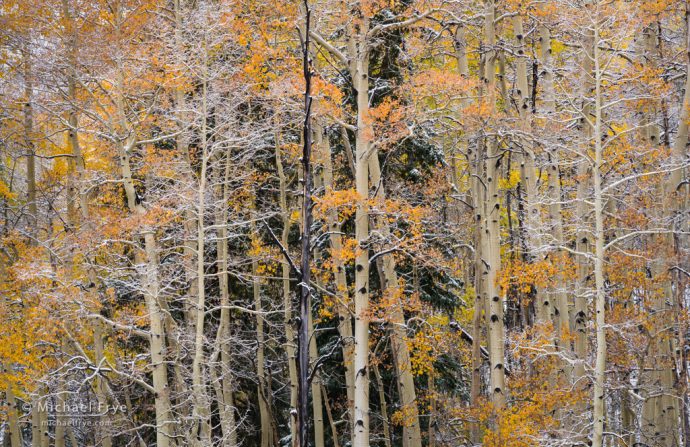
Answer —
(528, 172)
(263, 389)
(290, 336)
(491, 242)
(359, 70)
(223, 383)
(599, 393)
(148, 273)
(201, 430)
(582, 237)
(164, 420)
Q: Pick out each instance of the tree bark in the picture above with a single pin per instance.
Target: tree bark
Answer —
(359, 70)
(291, 339)
(15, 434)
(600, 297)
(343, 300)
(492, 262)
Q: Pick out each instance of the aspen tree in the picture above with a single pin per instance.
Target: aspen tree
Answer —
(357, 61)
(582, 243)
(659, 423)
(528, 171)
(291, 340)
(359, 45)
(341, 285)
(562, 311)
(460, 42)
(77, 167)
(223, 384)
(148, 258)
(600, 297)
(201, 431)
(491, 259)
(15, 435)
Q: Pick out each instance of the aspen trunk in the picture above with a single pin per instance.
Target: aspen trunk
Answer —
(190, 224)
(360, 77)
(600, 297)
(164, 421)
(35, 425)
(39, 420)
(100, 385)
(492, 261)
(316, 396)
(331, 422)
(342, 292)
(201, 431)
(15, 434)
(224, 392)
(77, 172)
(149, 263)
(659, 425)
(151, 288)
(477, 203)
(582, 244)
(60, 418)
(290, 336)
(316, 382)
(384, 407)
(305, 289)
(263, 391)
(528, 172)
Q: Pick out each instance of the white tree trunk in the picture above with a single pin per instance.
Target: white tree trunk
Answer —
(600, 296)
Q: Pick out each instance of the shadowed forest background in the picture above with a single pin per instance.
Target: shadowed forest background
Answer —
(486, 243)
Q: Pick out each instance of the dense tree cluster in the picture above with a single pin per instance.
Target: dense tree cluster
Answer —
(344, 223)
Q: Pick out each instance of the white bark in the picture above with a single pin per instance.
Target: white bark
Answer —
(600, 297)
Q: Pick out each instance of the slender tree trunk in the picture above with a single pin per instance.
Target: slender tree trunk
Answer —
(343, 299)
(15, 434)
(164, 421)
(305, 264)
(528, 172)
(149, 261)
(201, 430)
(316, 396)
(263, 391)
(492, 262)
(334, 429)
(100, 387)
(600, 297)
(291, 339)
(582, 243)
(224, 391)
(659, 425)
(478, 204)
(60, 418)
(360, 77)
(384, 406)
(35, 425)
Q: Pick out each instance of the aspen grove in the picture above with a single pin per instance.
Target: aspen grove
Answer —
(345, 223)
